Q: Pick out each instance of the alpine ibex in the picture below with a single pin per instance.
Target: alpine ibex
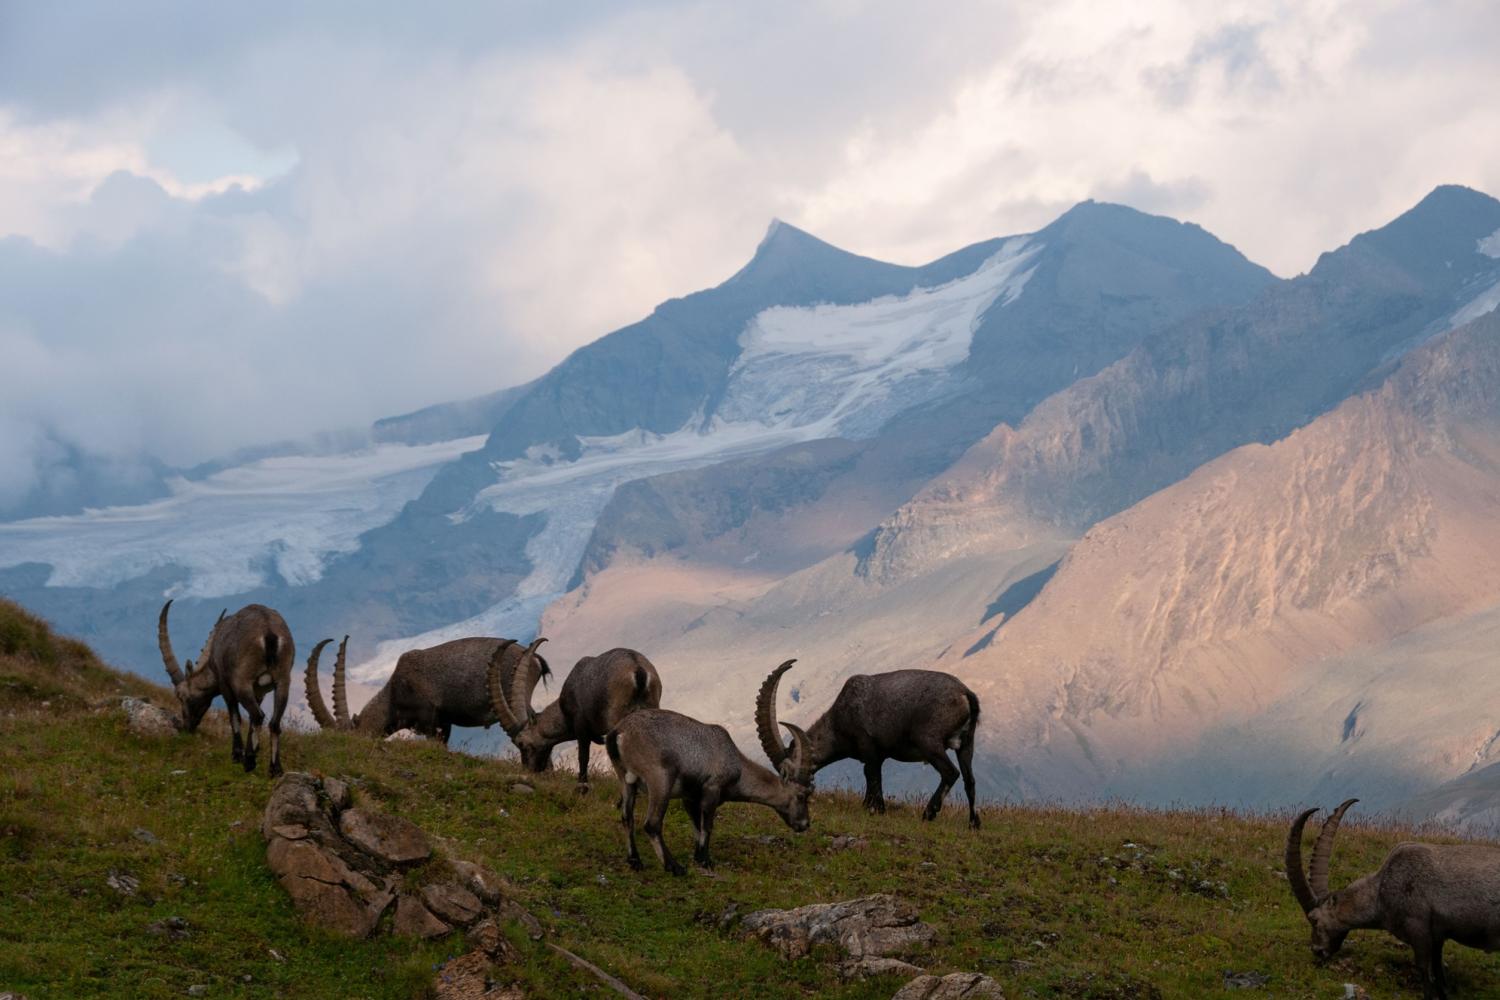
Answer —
(431, 690)
(245, 656)
(1424, 894)
(599, 692)
(678, 757)
(906, 715)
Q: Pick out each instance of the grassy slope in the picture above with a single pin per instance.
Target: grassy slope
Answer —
(1050, 902)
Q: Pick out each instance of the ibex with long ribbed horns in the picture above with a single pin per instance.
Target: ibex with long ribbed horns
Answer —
(599, 692)
(246, 656)
(430, 691)
(678, 757)
(906, 715)
(1424, 894)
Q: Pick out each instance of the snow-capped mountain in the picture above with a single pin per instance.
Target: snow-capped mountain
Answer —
(860, 464)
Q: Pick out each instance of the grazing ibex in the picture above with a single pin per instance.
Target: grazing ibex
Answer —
(905, 715)
(245, 656)
(1424, 894)
(678, 757)
(599, 692)
(430, 691)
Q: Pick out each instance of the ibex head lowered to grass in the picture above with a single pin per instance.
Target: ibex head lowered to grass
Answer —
(247, 655)
(599, 692)
(1423, 894)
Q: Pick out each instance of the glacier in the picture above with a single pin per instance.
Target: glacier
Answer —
(804, 373)
(231, 530)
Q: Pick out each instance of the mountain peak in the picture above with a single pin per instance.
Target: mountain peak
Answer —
(785, 251)
(1437, 239)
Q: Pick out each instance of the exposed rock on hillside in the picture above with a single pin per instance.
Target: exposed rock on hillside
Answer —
(344, 866)
(870, 931)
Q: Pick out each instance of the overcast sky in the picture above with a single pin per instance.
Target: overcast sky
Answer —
(222, 224)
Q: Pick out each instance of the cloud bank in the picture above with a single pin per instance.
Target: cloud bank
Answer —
(225, 227)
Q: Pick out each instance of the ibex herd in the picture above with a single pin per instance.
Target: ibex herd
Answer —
(1423, 894)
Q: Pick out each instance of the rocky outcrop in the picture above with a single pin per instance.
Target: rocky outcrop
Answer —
(145, 719)
(954, 986)
(344, 866)
(870, 932)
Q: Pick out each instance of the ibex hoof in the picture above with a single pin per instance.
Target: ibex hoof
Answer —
(973, 822)
(635, 863)
(237, 755)
(676, 869)
(275, 770)
(582, 788)
(249, 763)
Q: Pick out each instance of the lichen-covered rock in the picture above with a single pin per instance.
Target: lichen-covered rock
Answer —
(390, 838)
(954, 986)
(145, 719)
(876, 926)
(480, 881)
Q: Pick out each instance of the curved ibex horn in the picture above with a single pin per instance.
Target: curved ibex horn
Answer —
(1295, 873)
(164, 642)
(802, 769)
(498, 679)
(523, 682)
(765, 716)
(314, 692)
(340, 694)
(1317, 872)
(208, 646)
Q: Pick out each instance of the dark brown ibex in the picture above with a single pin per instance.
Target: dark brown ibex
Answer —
(599, 692)
(1424, 894)
(246, 655)
(430, 691)
(906, 715)
(678, 757)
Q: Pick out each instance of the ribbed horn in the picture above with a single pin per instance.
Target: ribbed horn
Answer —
(498, 676)
(801, 756)
(1317, 871)
(1295, 873)
(208, 646)
(528, 672)
(314, 692)
(765, 716)
(164, 642)
(340, 693)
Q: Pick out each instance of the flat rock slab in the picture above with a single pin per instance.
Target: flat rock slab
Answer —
(452, 903)
(954, 986)
(390, 838)
(878, 926)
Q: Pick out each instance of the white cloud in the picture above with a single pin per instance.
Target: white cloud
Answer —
(430, 207)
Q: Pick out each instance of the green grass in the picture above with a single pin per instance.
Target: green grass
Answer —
(1049, 901)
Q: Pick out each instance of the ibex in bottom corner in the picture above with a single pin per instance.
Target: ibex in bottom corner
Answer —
(246, 655)
(1423, 894)
(599, 692)
(678, 757)
(906, 715)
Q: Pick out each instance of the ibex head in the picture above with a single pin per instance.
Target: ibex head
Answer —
(1311, 889)
(510, 694)
(340, 718)
(195, 689)
(797, 776)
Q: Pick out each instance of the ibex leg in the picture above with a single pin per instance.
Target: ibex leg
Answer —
(257, 718)
(278, 708)
(627, 817)
(938, 758)
(583, 766)
(237, 745)
(659, 794)
(966, 766)
(707, 806)
(874, 790)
